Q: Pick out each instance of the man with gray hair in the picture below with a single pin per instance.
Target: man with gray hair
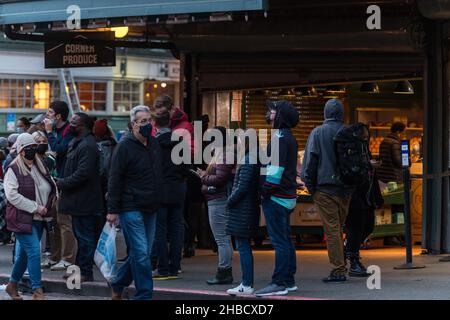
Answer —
(134, 198)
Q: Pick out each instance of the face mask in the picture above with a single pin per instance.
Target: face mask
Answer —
(146, 130)
(30, 153)
(73, 131)
(20, 130)
(42, 148)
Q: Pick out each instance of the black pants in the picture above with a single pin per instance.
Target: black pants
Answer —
(84, 229)
(359, 225)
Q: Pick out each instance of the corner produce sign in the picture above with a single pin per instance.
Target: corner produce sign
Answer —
(79, 49)
(405, 153)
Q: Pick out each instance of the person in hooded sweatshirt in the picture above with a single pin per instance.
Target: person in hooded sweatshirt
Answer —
(170, 217)
(279, 196)
(321, 176)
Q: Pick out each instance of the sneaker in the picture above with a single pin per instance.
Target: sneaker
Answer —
(291, 288)
(335, 278)
(158, 276)
(60, 266)
(48, 263)
(272, 290)
(241, 290)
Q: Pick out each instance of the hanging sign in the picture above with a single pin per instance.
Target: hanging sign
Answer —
(79, 49)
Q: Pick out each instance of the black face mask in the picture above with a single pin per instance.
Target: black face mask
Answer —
(42, 148)
(30, 153)
(146, 131)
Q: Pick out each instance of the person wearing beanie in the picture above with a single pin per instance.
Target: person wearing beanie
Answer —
(31, 194)
(331, 196)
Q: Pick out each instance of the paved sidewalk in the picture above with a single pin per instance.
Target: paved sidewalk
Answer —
(433, 282)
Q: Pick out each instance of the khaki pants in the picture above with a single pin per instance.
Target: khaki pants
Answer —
(333, 211)
(63, 242)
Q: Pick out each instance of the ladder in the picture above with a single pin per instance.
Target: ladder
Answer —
(68, 90)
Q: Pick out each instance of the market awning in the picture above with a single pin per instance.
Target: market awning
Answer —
(47, 10)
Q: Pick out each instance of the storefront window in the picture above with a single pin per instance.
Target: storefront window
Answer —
(126, 95)
(27, 93)
(92, 96)
(153, 89)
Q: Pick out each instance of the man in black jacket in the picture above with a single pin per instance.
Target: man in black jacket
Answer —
(133, 197)
(81, 195)
(170, 221)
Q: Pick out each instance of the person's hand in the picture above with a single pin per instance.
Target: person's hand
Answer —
(48, 124)
(201, 173)
(112, 218)
(42, 211)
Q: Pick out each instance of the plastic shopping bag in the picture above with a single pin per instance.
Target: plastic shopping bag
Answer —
(105, 255)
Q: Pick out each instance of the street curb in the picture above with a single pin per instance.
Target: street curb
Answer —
(101, 289)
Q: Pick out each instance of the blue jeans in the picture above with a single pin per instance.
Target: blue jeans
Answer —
(84, 230)
(279, 229)
(246, 259)
(169, 226)
(139, 232)
(28, 255)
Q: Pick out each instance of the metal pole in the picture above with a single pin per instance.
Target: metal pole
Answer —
(407, 209)
(407, 212)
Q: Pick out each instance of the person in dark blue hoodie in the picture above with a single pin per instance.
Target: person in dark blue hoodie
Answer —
(279, 193)
(170, 219)
(320, 173)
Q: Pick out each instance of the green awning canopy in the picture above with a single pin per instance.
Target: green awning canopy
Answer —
(51, 10)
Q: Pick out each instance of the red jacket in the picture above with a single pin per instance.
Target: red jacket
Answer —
(180, 120)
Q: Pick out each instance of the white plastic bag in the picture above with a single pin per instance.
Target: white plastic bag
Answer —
(105, 255)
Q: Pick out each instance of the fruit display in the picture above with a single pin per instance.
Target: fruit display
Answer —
(374, 145)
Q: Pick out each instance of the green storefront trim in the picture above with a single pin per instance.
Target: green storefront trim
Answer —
(47, 10)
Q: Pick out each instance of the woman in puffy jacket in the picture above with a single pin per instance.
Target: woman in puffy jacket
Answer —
(243, 213)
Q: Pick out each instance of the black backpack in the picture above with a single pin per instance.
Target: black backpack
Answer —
(352, 154)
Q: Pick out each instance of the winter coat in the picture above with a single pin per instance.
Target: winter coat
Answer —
(320, 170)
(21, 221)
(243, 203)
(174, 182)
(219, 177)
(280, 181)
(391, 159)
(136, 176)
(81, 192)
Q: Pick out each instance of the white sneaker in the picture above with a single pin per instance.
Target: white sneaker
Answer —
(292, 289)
(47, 263)
(60, 266)
(241, 290)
